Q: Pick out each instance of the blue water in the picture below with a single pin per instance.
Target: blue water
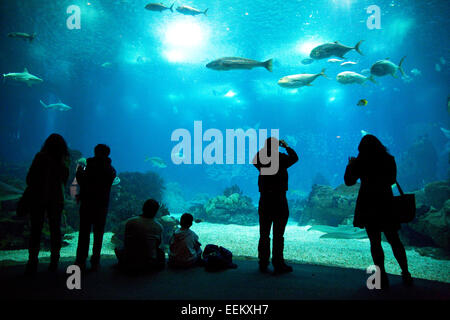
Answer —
(158, 82)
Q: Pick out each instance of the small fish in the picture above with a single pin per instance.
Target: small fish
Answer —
(116, 181)
(299, 80)
(107, 65)
(446, 132)
(156, 162)
(307, 61)
(158, 7)
(22, 35)
(189, 11)
(334, 60)
(232, 63)
(347, 63)
(362, 103)
(442, 60)
(56, 106)
(437, 67)
(198, 220)
(416, 72)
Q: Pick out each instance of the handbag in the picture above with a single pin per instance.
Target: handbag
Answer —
(404, 206)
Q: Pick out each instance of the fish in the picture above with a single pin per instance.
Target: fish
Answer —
(437, 67)
(442, 60)
(156, 162)
(350, 77)
(189, 11)
(158, 7)
(347, 63)
(365, 71)
(233, 63)
(107, 65)
(416, 72)
(362, 103)
(24, 77)
(198, 220)
(56, 106)
(446, 132)
(307, 61)
(384, 67)
(116, 181)
(299, 80)
(22, 35)
(333, 49)
(334, 60)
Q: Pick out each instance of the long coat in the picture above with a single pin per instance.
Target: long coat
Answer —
(373, 206)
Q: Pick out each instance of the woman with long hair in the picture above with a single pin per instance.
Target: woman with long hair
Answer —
(46, 179)
(377, 170)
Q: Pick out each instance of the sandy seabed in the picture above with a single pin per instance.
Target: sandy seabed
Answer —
(300, 245)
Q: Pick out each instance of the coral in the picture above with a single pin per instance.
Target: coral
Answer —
(436, 193)
(232, 189)
(174, 197)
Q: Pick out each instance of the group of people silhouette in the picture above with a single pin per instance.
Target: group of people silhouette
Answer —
(374, 167)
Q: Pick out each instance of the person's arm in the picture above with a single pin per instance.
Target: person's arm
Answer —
(393, 172)
(34, 175)
(291, 157)
(351, 172)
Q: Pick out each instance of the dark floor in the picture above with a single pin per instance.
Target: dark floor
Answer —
(244, 283)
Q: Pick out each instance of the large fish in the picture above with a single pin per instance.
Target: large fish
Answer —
(22, 35)
(384, 67)
(158, 7)
(56, 106)
(231, 63)
(333, 49)
(299, 80)
(24, 77)
(189, 11)
(349, 77)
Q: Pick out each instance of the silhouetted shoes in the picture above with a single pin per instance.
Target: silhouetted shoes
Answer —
(282, 268)
(384, 281)
(407, 279)
(264, 267)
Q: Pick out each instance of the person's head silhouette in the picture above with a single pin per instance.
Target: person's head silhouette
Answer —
(55, 146)
(186, 220)
(370, 145)
(150, 208)
(102, 151)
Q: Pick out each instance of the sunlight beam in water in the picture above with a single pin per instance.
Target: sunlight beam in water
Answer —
(183, 39)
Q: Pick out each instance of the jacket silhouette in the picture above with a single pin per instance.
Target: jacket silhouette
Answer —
(95, 186)
(273, 206)
(46, 178)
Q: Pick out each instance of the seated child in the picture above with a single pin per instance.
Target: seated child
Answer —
(184, 250)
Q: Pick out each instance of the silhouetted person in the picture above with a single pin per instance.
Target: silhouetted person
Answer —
(185, 249)
(378, 172)
(143, 234)
(95, 181)
(273, 205)
(46, 179)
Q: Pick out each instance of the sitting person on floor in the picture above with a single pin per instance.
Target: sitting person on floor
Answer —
(185, 251)
(141, 251)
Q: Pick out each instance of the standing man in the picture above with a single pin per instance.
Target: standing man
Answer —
(273, 206)
(95, 182)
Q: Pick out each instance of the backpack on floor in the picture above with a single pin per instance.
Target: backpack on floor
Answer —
(217, 258)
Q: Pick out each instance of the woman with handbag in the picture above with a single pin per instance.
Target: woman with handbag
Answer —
(46, 179)
(377, 170)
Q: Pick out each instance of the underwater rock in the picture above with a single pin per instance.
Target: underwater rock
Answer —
(435, 225)
(232, 209)
(328, 206)
(436, 193)
(174, 198)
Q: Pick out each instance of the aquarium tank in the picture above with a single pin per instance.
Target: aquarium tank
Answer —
(186, 92)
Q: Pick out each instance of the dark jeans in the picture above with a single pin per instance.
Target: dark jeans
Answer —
(273, 209)
(91, 217)
(140, 266)
(376, 249)
(37, 217)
